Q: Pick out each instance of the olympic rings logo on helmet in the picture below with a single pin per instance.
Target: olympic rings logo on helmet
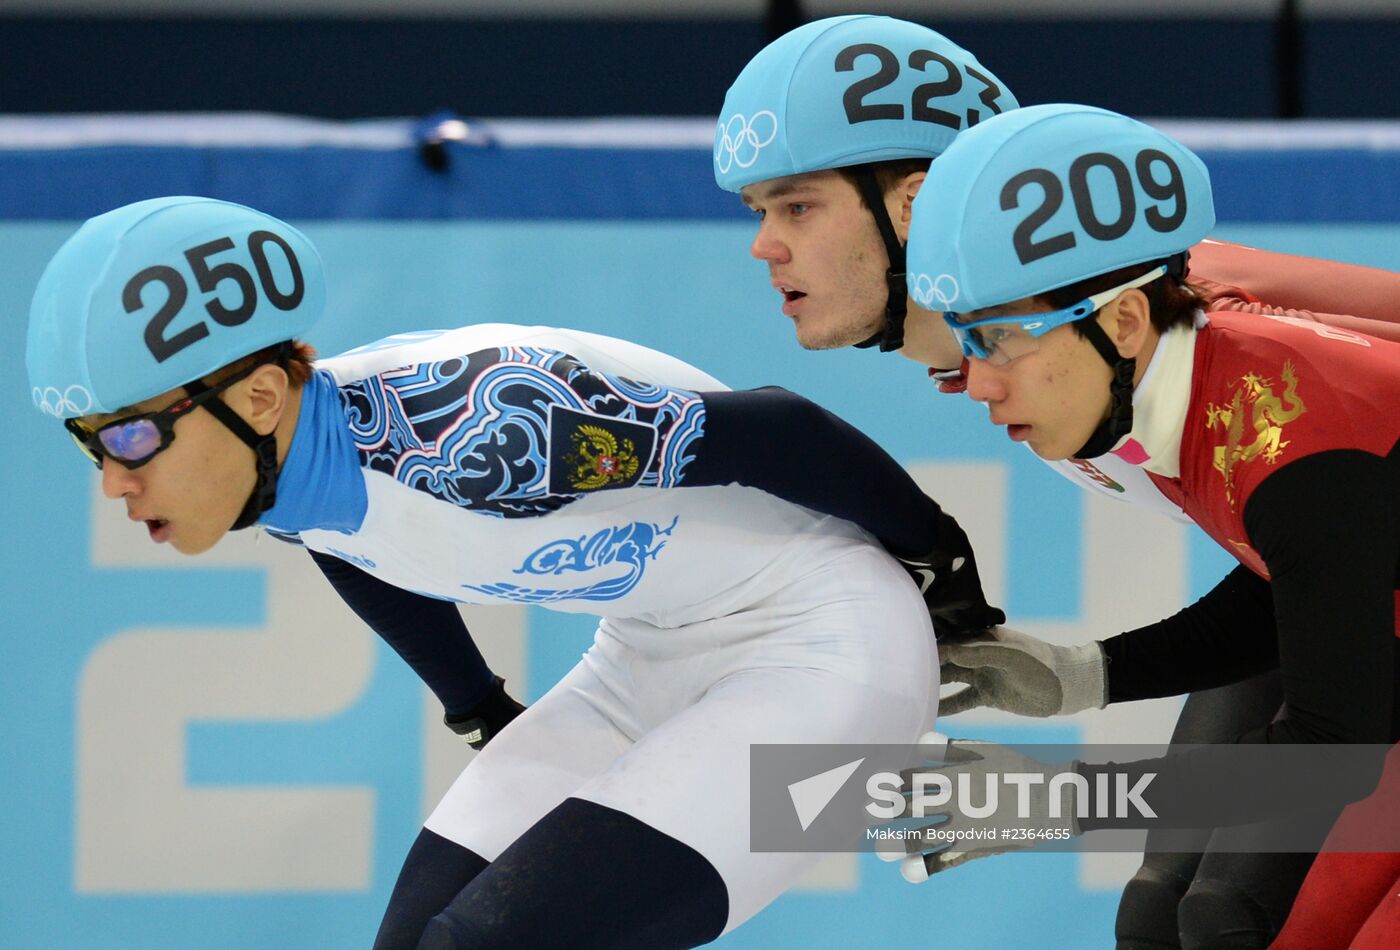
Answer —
(74, 401)
(935, 293)
(739, 140)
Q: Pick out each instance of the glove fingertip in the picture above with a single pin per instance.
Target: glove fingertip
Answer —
(890, 849)
(958, 702)
(955, 653)
(914, 868)
(953, 673)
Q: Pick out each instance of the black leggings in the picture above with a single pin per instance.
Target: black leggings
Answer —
(583, 876)
(1223, 897)
(1212, 900)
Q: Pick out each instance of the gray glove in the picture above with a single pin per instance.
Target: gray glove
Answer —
(1042, 811)
(1008, 670)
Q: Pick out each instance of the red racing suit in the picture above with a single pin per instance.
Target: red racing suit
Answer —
(1237, 279)
(1265, 395)
(1279, 440)
(1288, 459)
(1248, 280)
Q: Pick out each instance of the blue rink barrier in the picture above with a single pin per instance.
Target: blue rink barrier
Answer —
(210, 753)
(634, 170)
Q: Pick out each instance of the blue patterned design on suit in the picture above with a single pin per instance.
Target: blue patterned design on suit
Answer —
(474, 430)
(629, 546)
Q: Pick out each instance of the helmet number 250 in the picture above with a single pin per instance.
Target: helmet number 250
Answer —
(208, 278)
(921, 109)
(1029, 249)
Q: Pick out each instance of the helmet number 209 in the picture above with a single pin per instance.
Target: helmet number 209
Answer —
(208, 277)
(1173, 190)
(921, 108)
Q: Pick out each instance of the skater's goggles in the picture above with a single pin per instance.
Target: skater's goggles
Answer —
(135, 440)
(1002, 338)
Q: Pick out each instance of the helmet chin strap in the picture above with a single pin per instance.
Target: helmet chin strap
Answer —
(264, 448)
(264, 494)
(1120, 413)
(897, 303)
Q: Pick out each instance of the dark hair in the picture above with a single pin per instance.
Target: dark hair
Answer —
(1171, 301)
(297, 364)
(887, 173)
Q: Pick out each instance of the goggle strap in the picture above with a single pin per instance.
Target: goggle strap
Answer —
(221, 411)
(1104, 298)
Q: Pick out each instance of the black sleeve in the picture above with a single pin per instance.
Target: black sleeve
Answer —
(429, 634)
(1328, 530)
(1226, 636)
(1326, 527)
(788, 446)
(777, 441)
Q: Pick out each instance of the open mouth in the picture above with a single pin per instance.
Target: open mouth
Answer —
(791, 298)
(159, 529)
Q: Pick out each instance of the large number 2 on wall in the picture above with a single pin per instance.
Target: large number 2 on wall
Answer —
(141, 827)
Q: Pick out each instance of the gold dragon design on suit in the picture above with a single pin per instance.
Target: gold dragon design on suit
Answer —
(1254, 405)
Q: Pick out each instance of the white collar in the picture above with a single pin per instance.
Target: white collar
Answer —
(1160, 402)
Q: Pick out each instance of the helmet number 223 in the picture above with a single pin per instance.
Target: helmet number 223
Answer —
(858, 110)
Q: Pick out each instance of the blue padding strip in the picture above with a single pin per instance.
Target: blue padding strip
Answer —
(561, 183)
(324, 183)
(1305, 185)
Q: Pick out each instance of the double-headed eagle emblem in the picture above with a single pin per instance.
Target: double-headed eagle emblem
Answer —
(599, 459)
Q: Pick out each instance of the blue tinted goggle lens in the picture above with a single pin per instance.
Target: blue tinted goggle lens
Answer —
(131, 441)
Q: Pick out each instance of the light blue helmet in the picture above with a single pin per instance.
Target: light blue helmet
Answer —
(156, 294)
(1047, 196)
(849, 90)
